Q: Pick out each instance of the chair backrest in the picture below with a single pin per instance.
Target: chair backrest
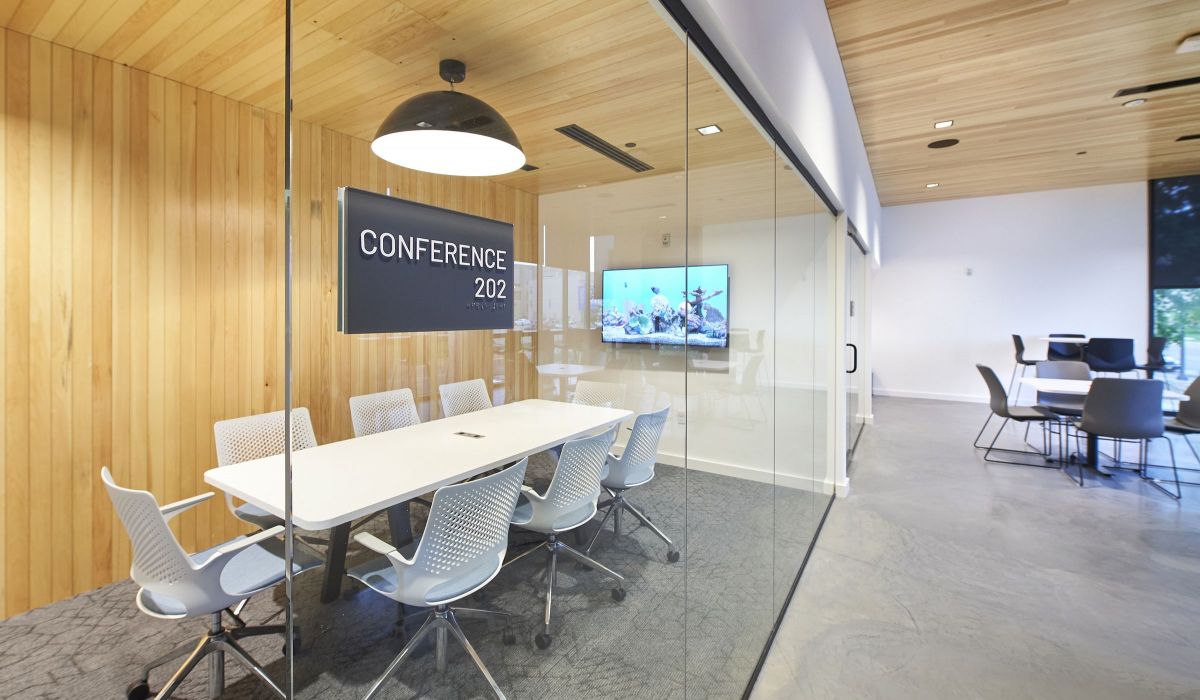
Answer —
(1154, 351)
(1065, 351)
(1019, 347)
(254, 437)
(1124, 408)
(384, 410)
(468, 525)
(997, 396)
(749, 383)
(641, 451)
(605, 394)
(158, 560)
(1110, 354)
(576, 479)
(1189, 411)
(1061, 369)
(464, 397)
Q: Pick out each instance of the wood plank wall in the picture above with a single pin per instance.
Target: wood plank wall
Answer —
(142, 300)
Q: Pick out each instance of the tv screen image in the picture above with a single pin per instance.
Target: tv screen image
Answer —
(667, 306)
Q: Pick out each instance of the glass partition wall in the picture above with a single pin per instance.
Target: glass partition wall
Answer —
(172, 237)
(668, 261)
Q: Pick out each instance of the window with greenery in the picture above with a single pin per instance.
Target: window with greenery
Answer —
(1175, 271)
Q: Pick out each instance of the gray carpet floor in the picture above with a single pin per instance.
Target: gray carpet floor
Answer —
(693, 628)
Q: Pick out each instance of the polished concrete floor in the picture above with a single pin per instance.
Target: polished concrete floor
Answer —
(941, 576)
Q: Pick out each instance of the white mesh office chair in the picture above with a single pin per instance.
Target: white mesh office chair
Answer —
(464, 397)
(633, 468)
(587, 393)
(605, 394)
(385, 410)
(379, 412)
(460, 551)
(569, 503)
(175, 585)
(254, 437)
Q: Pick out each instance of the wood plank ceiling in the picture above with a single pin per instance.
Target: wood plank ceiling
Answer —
(1030, 86)
(612, 66)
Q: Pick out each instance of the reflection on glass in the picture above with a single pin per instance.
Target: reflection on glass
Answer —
(525, 296)
(552, 298)
(577, 299)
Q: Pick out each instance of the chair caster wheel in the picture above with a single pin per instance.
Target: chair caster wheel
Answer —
(618, 594)
(510, 637)
(673, 556)
(543, 640)
(139, 690)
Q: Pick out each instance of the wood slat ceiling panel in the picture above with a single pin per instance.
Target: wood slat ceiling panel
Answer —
(612, 66)
(1029, 83)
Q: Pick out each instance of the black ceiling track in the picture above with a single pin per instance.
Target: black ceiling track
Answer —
(683, 17)
(1189, 137)
(583, 136)
(529, 167)
(1155, 87)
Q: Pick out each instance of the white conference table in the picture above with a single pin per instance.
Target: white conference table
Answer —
(335, 483)
(1080, 387)
(564, 370)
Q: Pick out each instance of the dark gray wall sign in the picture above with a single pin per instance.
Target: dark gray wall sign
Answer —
(411, 267)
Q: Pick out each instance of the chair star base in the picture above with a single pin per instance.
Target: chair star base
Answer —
(553, 546)
(215, 645)
(442, 622)
(618, 503)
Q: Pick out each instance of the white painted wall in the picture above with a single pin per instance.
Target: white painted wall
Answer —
(785, 53)
(765, 418)
(1070, 261)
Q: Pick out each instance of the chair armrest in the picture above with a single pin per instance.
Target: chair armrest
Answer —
(373, 543)
(238, 545)
(172, 509)
(528, 492)
(378, 546)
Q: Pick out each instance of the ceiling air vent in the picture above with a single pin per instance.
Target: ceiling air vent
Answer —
(1189, 137)
(1155, 87)
(604, 148)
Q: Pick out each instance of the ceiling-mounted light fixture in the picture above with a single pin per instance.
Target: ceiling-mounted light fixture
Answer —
(709, 130)
(931, 185)
(944, 124)
(449, 133)
(1134, 103)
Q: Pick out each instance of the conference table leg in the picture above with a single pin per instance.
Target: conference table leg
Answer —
(400, 524)
(335, 562)
(400, 527)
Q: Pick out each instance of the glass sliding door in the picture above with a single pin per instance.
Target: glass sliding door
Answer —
(668, 262)
(731, 318)
(601, 198)
(858, 379)
(799, 495)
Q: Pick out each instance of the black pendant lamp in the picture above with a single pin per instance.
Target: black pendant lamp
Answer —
(449, 133)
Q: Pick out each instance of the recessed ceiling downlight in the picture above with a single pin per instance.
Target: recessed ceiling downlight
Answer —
(1134, 103)
(449, 133)
(944, 124)
(944, 143)
(931, 185)
(709, 130)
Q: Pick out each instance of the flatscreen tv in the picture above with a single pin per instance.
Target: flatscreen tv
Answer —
(666, 306)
